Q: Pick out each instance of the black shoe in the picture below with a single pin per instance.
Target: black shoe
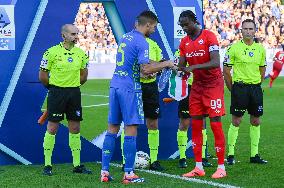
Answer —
(81, 170)
(231, 160)
(47, 170)
(206, 163)
(156, 166)
(182, 163)
(256, 159)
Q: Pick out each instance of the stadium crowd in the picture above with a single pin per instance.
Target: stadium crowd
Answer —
(224, 18)
(96, 37)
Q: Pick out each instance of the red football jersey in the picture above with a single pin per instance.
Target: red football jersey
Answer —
(198, 52)
(279, 56)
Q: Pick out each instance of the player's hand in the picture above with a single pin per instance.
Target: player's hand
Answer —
(170, 64)
(186, 70)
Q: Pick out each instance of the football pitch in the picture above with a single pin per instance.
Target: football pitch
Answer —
(242, 174)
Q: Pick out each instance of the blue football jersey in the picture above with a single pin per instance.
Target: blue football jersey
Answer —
(132, 51)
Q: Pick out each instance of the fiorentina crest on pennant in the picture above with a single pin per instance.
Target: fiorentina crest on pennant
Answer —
(178, 86)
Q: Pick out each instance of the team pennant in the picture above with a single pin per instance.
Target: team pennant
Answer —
(178, 86)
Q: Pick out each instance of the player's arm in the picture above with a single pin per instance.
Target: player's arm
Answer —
(262, 66)
(43, 77)
(83, 75)
(153, 66)
(228, 77)
(262, 72)
(84, 69)
(148, 66)
(44, 68)
(213, 63)
(227, 67)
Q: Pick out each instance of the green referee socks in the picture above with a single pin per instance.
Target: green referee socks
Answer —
(153, 142)
(75, 146)
(182, 142)
(254, 139)
(232, 138)
(48, 145)
(204, 134)
(121, 145)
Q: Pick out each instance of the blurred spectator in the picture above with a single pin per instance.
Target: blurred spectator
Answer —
(95, 36)
(224, 18)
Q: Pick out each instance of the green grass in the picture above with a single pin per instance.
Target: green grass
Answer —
(242, 174)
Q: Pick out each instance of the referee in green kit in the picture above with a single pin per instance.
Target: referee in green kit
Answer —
(63, 70)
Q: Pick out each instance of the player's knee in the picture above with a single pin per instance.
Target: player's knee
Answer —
(255, 122)
(131, 130)
(236, 122)
(152, 124)
(184, 124)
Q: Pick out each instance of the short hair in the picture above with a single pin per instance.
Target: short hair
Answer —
(249, 21)
(146, 17)
(189, 14)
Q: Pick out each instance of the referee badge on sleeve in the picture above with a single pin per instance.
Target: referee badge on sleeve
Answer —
(43, 63)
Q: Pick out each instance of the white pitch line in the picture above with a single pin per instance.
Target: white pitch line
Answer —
(88, 106)
(85, 94)
(181, 178)
(95, 105)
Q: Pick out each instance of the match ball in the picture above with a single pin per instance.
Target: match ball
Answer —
(142, 160)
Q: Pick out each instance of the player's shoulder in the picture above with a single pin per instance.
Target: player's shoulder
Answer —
(152, 43)
(52, 49)
(79, 50)
(207, 33)
(259, 46)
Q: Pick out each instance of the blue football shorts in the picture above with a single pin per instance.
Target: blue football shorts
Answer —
(125, 105)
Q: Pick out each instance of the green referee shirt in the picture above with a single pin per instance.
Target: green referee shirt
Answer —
(155, 54)
(64, 65)
(190, 79)
(245, 61)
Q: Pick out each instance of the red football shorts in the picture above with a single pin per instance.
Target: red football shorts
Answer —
(207, 99)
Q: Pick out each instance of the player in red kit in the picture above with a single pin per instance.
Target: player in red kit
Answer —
(277, 66)
(200, 49)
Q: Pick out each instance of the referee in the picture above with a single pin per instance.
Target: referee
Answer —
(63, 69)
(247, 59)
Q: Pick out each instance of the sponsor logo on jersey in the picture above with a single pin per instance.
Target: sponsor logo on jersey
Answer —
(197, 53)
(251, 54)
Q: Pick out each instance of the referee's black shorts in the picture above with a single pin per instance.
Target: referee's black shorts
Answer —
(183, 106)
(62, 101)
(150, 97)
(246, 97)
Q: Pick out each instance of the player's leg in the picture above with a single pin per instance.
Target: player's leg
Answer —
(255, 110)
(213, 100)
(48, 146)
(197, 124)
(216, 126)
(55, 107)
(133, 115)
(205, 161)
(151, 107)
(239, 104)
(114, 120)
(196, 111)
(277, 67)
(74, 116)
(184, 123)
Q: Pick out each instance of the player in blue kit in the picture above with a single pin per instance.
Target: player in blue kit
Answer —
(125, 95)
